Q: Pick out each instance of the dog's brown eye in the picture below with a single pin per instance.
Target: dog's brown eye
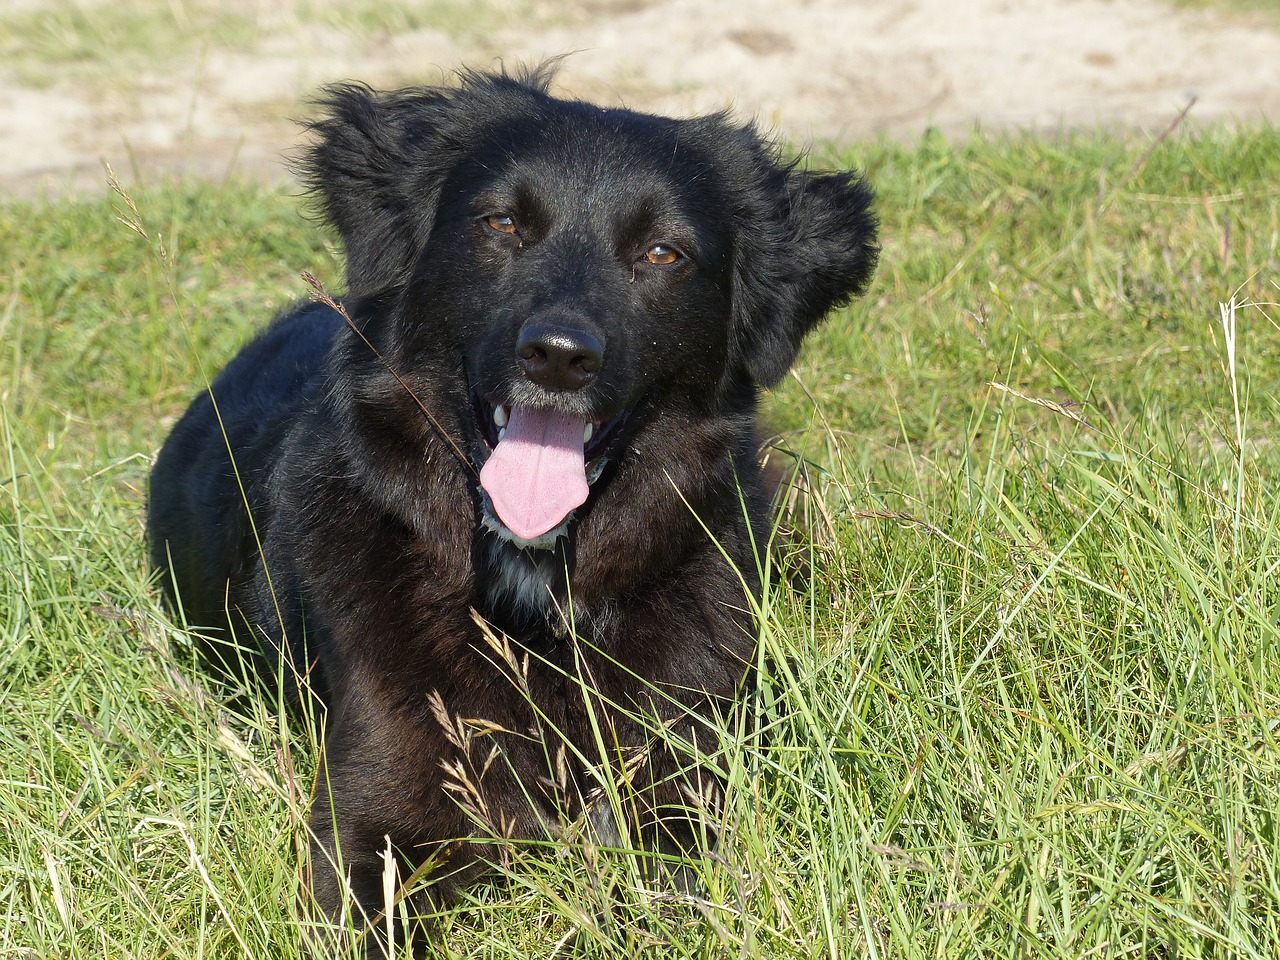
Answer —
(501, 223)
(662, 255)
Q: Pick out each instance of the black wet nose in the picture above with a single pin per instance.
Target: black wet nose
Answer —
(558, 358)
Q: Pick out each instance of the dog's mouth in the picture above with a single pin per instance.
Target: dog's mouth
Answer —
(540, 467)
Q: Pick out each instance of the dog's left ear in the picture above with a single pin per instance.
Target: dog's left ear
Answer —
(812, 248)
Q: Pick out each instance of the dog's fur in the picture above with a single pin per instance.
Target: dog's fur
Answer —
(321, 503)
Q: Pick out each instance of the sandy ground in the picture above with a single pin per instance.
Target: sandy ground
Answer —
(811, 69)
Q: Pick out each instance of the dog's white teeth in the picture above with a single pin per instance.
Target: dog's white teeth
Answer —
(499, 416)
(587, 431)
(501, 433)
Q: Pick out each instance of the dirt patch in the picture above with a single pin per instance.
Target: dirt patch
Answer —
(812, 69)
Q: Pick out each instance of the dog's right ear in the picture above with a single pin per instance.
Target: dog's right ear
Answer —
(376, 164)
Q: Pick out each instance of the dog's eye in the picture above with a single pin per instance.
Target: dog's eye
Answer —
(501, 223)
(662, 255)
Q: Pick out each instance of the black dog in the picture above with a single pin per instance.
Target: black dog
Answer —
(502, 504)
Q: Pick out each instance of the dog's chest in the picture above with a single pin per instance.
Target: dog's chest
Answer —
(524, 585)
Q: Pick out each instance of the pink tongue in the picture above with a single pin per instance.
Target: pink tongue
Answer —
(536, 474)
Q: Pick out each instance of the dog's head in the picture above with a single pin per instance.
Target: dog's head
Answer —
(581, 267)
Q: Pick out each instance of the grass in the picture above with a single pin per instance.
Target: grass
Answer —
(120, 44)
(1027, 708)
(1269, 9)
(467, 20)
(115, 42)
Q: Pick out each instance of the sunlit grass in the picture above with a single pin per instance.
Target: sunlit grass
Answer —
(1027, 705)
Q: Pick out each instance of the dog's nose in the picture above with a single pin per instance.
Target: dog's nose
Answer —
(558, 358)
